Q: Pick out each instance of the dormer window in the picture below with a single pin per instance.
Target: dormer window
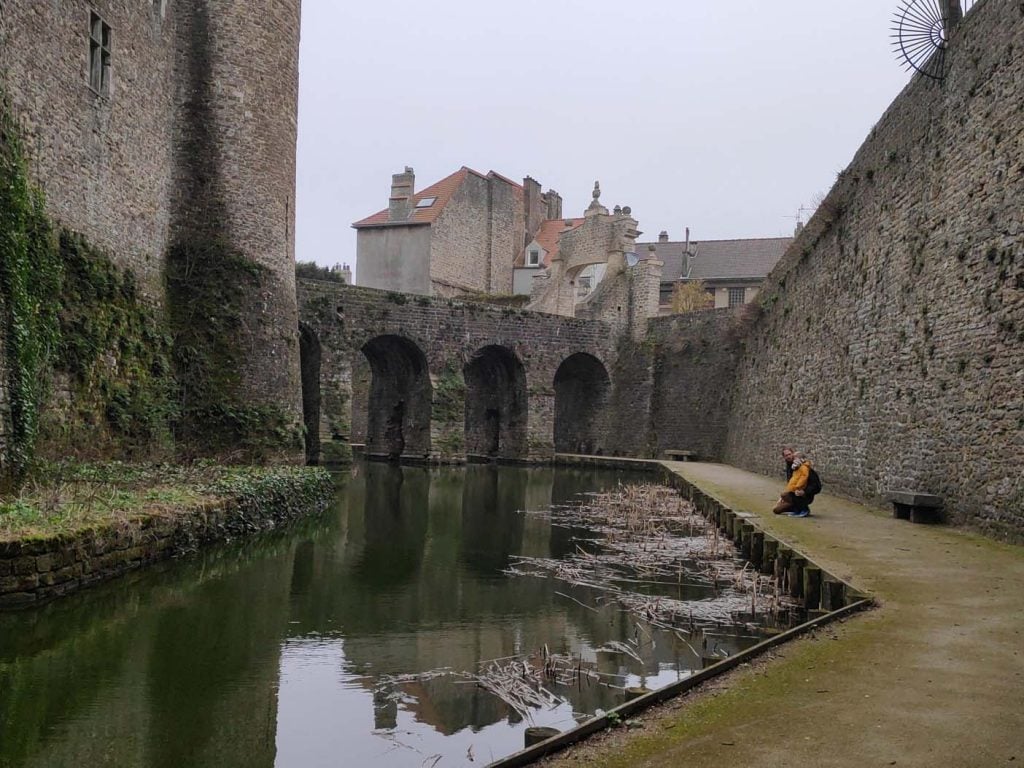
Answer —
(425, 202)
(533, 257)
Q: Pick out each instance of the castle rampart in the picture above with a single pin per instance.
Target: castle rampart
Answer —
(892, 345)
(164, 133)
(103, 158)
(235, 171)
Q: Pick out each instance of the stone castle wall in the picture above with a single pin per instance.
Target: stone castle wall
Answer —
(694, 362)
(235, 167)
(194, 143)
(105, 162)
(892, 348)
(662, 393)
(625, 299)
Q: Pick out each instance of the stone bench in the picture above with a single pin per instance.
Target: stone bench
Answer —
(916, 507)
(674, 455)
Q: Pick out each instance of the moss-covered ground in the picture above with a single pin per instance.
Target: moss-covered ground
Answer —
(63, 499)
(932, 677)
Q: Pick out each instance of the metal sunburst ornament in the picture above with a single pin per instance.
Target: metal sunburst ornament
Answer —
(920, 33)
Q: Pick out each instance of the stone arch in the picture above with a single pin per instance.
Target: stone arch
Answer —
(582, 387)
(309, 365)
(399, 403)
(496, 404)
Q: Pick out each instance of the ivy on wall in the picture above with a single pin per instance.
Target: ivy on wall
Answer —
(210, 291)
(30, 276)
(114, 352)
(89, 366)
(71, 318)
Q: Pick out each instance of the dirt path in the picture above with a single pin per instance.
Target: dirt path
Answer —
(933, 677)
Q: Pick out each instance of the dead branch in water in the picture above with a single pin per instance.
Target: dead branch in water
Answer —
(650, 540)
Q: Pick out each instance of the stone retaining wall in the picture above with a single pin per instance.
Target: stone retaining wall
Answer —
(892, 344)
(34, 571)
(799, 577)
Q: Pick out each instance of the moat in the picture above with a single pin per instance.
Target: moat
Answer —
(342, 640)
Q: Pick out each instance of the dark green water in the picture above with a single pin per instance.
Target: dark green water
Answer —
(279, 652)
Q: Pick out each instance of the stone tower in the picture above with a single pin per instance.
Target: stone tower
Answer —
(164, 133)
(235, 177)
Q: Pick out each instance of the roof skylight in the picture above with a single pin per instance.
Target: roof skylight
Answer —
(425, 202)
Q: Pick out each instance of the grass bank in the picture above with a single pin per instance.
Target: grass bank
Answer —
(73, 524)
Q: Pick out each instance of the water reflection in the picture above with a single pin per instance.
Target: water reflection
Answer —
(290, 651)
(177, 667)
(492, 518)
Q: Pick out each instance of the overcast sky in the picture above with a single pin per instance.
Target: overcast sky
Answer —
(722, 115)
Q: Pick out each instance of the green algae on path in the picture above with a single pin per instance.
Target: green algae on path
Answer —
(933, 677)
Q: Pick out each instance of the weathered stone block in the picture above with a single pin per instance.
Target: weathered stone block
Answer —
(25, 565)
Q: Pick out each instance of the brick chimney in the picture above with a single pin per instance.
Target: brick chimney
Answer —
(663, 236)
(403, 185)
(554, 201)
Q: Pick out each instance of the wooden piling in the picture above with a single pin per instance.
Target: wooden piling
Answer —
(746, 540)
(740, 526)
(796, 575)
(833, 593)
(769, 555)
(812, 587)
(757, 548)
(782, 562)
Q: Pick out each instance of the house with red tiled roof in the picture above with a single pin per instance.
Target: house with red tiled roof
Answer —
(460, 235)
(539, 252)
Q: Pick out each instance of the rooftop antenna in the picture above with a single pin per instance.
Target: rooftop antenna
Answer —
(799, 216)
(921, 31)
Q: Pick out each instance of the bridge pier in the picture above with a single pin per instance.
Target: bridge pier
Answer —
(540, 428)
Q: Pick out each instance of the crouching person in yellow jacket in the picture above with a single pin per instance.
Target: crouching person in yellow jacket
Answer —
(793, 500)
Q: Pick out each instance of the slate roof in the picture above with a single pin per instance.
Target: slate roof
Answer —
(719, 259)
(442, 190)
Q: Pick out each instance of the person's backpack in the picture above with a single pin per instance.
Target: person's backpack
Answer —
(813, 487)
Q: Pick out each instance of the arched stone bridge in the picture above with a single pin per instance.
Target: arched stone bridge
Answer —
(429, 379)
